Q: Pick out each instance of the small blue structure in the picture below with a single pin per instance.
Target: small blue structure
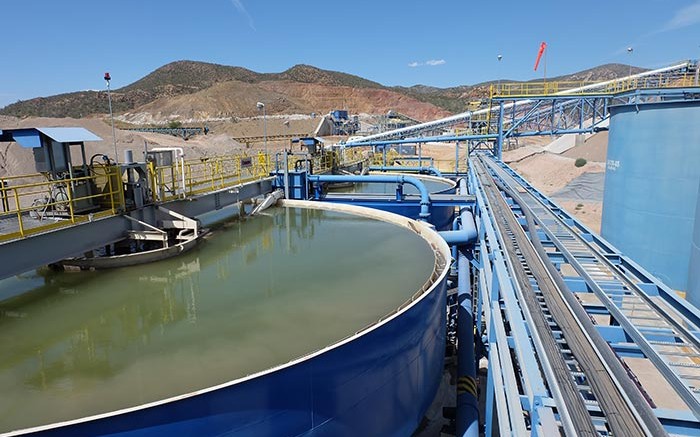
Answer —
(52, 146)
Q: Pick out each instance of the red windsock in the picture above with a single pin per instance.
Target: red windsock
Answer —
(543, 46)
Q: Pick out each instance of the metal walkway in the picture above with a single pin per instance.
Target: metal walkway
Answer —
(632, 312)
(525, 98)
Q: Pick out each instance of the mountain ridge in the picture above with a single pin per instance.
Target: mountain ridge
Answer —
(191, 78)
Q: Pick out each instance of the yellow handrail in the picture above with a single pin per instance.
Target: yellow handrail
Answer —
(544, 87)
(20, 201)
(60, 199)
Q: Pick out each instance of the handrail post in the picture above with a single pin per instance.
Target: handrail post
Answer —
(111, 191)
(19, 212)
(69, 190)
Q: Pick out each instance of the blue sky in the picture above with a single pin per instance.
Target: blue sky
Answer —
(52, 46)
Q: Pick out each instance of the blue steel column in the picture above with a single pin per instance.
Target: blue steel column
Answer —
(457, 157)
(499, 140)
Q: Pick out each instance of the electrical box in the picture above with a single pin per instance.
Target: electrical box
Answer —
(162, 158)
(51, 158)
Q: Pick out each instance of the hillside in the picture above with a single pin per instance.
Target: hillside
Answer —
(174, 79)
(199, 90)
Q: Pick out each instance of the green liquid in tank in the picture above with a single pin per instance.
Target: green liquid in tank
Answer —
(256, 294)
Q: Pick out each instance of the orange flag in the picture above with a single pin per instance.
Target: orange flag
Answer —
(543, 46)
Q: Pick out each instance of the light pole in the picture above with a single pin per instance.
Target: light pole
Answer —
(499, 57)
(260, 106)
(630, 50)
(108, 78)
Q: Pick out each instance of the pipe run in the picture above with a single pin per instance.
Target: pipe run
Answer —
(464, 228)
(398, 179)
(464, 234)
(408, 169)
(467, 385)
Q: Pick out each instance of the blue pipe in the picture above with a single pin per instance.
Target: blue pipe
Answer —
(467, 406)
(464, 236)
(467, 399)
(455, 227)
(467, 235)
(398, 179)
(406, 169)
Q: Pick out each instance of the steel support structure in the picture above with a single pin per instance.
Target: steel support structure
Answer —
(576, 110)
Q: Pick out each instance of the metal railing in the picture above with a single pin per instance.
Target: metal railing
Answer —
(206, 174)
(581, 88)
(321, 163)
(31, 204)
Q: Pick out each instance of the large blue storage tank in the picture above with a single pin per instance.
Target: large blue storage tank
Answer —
(651, 185)
(693, 294)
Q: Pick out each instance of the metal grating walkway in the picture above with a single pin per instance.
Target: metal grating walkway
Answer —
(663, 335)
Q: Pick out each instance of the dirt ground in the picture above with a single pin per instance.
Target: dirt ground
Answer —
(550, 173)
(15, 160)
(590, 213)
(594, 149)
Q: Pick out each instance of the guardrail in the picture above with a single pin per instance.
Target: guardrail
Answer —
(205, 174)
(31, 204)
(443, 165)
(582, 88)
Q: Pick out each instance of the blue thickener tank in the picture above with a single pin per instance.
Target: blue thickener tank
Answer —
(311, 319)
(693, 294)
(651, 185)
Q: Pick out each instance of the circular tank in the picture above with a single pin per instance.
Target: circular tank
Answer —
(693, 294)
(290, 322)
(433, 184)
(651, 185)
(374, 195)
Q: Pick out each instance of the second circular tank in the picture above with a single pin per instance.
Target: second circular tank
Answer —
(651, 185)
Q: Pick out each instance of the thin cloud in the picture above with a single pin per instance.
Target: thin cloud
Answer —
(434, 62)
(240, 8)
(429, 63)
(684, 17)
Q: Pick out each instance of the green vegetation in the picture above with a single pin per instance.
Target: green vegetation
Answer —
(174, 124)
(580, 162)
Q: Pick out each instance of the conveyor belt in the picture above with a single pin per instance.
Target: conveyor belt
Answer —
(580, 372)
(643, 318)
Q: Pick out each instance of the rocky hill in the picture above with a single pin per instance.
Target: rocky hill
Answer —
(188, 90)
